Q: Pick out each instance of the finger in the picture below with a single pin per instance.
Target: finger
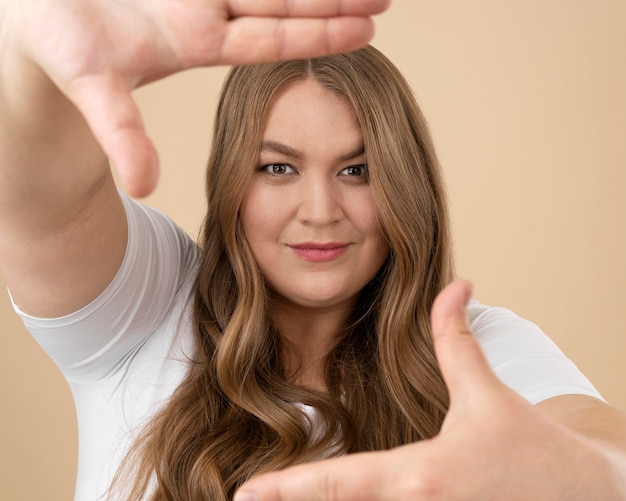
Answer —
(349, 478)
(464, 367)
(449, 309)
(107, 105)
(255, 39)
(306, 8)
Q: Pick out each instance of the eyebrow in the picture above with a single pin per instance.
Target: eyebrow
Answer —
(283, 149)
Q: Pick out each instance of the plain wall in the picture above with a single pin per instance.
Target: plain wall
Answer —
(527, 105)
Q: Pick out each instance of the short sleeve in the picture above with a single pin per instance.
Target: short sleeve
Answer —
(92, 343)
(525, 358)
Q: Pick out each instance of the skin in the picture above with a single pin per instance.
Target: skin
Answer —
(493, 444)
(66, 87)
(310, 189)
(569, 447)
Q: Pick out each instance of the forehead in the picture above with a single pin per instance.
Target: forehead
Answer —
(306, 114)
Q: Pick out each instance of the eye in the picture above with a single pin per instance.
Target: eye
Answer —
(356, 171)
(277, 169)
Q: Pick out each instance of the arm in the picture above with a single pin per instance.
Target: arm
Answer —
(593, 419)
(59, 210)
(493, 444)
(69, 68)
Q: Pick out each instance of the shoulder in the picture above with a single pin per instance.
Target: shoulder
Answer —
(524, 357)
(491, 323)
(138, 309)
(504, 335)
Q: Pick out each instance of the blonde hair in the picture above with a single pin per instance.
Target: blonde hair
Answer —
(234, 416)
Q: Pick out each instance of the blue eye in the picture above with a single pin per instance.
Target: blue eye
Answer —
(277, 169)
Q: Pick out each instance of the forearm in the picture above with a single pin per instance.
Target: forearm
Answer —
(62, 227)
(607, 430)
(48, 155)
(601, 427)
(603, 474)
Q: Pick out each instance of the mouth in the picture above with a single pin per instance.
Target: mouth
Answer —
(319, 252)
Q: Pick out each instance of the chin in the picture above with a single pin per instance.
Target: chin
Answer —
(324, 300)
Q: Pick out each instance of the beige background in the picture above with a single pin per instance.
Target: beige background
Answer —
(527, 104)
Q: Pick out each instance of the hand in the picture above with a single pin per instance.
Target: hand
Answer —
(98, 51)
(493, 444)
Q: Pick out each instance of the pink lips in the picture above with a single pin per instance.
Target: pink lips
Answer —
(319, 252)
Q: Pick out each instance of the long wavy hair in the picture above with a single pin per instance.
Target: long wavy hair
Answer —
(236, 414)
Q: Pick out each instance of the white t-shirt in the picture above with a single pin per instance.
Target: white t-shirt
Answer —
(125, 353)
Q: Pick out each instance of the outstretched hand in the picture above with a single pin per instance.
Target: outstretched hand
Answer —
(493, 444)
(98, 51)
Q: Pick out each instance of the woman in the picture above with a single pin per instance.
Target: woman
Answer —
(300, 328)
(308, 289)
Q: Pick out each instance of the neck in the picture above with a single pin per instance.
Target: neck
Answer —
(308, 336)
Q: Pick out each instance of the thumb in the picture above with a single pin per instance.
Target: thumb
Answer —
(463, 365)
(113, 116)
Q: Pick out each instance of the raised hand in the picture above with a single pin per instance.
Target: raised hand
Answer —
(493, 444)
(98, 51)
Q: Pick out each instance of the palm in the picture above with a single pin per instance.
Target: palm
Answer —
(493, 444)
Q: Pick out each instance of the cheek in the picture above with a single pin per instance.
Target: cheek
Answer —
(249, 222)
(260, 218)
(252, 210)
(380, 253)
(368, 221)
(364, 215)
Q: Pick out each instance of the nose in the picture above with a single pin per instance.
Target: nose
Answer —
(319, 202)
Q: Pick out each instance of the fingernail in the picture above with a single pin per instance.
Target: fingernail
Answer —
(245, 496)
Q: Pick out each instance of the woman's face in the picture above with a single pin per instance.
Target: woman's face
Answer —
(309, 214)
